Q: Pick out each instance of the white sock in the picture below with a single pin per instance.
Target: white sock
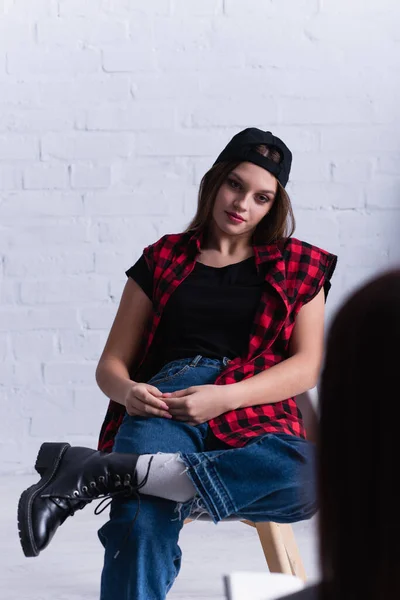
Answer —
(167, 477)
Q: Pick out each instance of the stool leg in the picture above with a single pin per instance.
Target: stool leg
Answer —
(292, 551)
(274, 548)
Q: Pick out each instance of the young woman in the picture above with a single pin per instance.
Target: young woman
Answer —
(357, 478)
(218, 329)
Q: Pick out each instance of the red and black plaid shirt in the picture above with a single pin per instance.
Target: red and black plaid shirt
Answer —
(295, 274)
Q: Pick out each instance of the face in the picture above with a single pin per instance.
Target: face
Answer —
(249, 192)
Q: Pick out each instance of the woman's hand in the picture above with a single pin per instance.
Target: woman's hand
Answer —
(145, 400)
(198, 404)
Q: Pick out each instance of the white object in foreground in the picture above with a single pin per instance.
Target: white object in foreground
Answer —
(250, 585)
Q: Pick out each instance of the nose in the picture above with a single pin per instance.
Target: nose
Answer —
(242, 202)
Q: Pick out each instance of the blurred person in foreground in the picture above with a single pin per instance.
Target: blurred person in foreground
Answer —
(358, 448)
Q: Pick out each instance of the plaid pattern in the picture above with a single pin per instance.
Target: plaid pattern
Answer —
(295, 271)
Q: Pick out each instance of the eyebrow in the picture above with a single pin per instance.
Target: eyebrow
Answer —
(241, 180)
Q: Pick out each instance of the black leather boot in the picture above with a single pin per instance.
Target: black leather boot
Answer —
(71, 477)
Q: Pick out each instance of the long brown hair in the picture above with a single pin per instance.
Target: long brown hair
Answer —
(359, 451)
(278, 223)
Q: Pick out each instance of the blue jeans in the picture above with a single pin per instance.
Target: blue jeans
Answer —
(270, 479)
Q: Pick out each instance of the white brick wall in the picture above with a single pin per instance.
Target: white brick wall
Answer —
(110, 113)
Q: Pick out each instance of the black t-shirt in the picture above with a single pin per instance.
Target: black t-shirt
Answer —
(210, 313)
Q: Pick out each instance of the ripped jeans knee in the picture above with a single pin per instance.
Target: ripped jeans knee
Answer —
(191, 508)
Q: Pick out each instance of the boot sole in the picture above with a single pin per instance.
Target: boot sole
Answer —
(47, 463)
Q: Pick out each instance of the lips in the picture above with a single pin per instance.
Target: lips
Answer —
(235, 215)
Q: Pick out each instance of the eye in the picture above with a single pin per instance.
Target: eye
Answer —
(234, 184)
(264, 198)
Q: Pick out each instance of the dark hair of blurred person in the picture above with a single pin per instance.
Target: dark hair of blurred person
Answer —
(359, 450)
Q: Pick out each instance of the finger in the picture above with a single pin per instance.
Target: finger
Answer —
(145, 410)
(175, 402)
(155, 391)
(152, 404)
(176, 394)
(147, 398)
(150, 411)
